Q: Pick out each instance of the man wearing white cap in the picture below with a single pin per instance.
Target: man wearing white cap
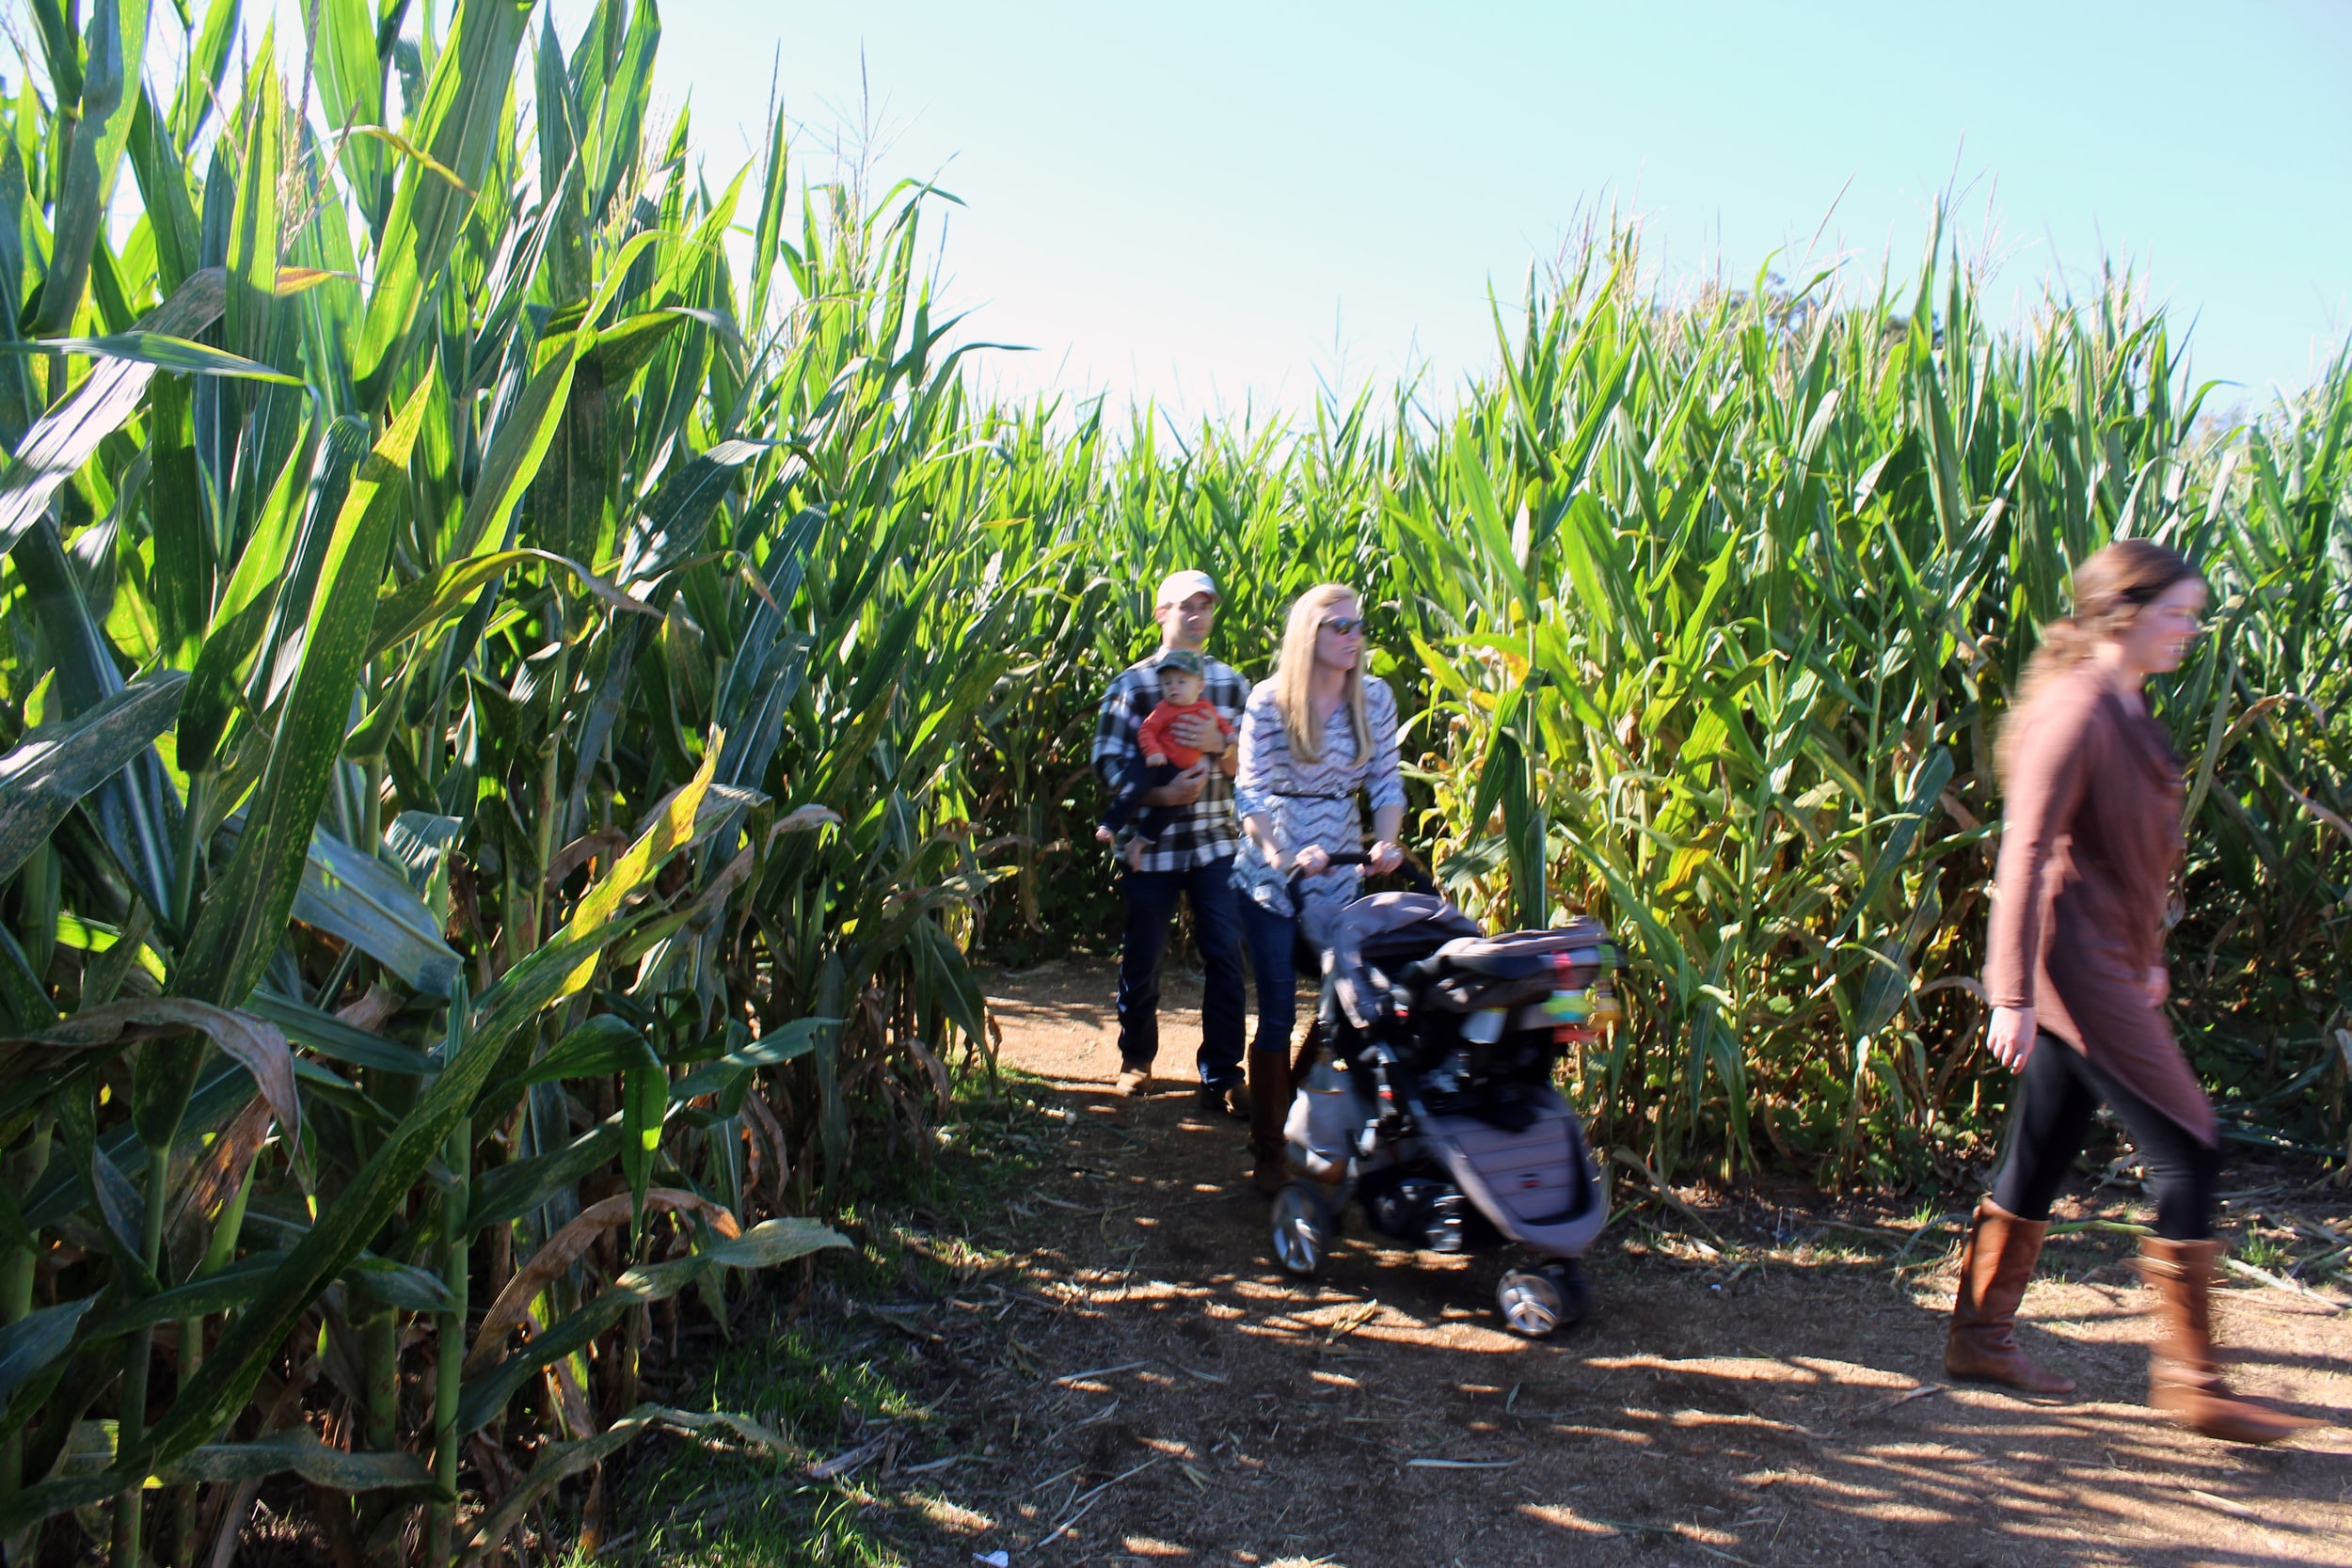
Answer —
(1192, 860)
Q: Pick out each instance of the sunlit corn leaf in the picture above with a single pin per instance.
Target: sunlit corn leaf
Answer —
(161, 350)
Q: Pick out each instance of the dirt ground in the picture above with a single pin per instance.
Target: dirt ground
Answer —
(1143, 1385)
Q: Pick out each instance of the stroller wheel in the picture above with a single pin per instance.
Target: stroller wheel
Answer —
(1302, 1224)
(1532, 1302)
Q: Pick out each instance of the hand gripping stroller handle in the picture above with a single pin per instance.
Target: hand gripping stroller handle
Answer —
(1411, 869)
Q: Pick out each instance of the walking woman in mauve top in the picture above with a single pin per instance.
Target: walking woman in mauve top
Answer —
(2075, 972)
(1314, 734)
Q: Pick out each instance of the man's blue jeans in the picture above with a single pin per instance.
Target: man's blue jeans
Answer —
(1152, 897)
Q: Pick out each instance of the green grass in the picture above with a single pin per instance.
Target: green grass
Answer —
(2268, 1252)
(821, 1378)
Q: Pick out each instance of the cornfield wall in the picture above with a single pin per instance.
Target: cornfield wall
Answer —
(1709, 611)
(528, 683)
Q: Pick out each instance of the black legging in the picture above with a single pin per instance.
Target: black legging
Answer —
(2056, 1096)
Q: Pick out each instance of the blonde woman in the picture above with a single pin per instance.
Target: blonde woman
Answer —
(1314, 734)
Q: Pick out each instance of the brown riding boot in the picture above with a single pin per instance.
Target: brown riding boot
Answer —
(1269, 1104)
(1994, 1265)
(2183, 1376)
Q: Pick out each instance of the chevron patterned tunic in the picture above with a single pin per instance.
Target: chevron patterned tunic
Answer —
(1312, 802)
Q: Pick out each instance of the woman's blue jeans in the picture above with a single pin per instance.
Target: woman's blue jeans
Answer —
(1272, 942)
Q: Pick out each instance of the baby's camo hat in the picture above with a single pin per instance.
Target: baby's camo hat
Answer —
(1183, 659)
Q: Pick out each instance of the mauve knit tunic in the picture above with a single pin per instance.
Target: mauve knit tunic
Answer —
(2088, 850)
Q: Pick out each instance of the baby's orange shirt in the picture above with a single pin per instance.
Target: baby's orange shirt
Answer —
(1154, 739)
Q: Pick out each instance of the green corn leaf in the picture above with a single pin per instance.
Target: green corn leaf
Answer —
(1485, 518)
(427, 603)
(606, 1044)
(544, 978)
(60, 50)
(350, 66)
(156, 349)
(623, 348)
(181, 580)
(773, 1049)
(644, 1106)
(330, 1037)
(52, 767)
(457, 123)
(212, 1399)
(163, 180)
(234, 1286)
(611, 141)
(400, 1285)
(350, 894)
(245, 919)
(676, 519)
(113, 59)
(270, 591)
(768, 231)
(764, 1245)
(675, 825)
(512, 1190)
(137, 809)
(68, 434)
(1927, 782)
(560, 1462)
(62, 1496)
(36, 1339)
(561, 177)
(207, 68)
(517, 450)
(239, 1283)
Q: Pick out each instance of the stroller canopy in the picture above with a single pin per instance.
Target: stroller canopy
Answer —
(1385, 926)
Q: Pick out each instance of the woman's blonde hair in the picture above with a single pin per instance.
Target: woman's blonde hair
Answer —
(1293, 676)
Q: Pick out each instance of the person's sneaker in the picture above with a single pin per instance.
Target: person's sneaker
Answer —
(1231, 1100)
(1135, 1082)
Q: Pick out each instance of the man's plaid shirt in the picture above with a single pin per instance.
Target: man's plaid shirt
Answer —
(1205, 831)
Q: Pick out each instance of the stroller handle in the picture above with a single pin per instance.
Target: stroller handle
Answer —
(1411, 869)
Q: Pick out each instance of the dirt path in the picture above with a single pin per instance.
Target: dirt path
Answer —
(1783, 1410)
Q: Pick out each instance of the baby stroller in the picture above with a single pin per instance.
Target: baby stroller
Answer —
(1430, 1101)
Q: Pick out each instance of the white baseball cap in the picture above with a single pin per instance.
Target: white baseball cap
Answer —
(1177, 587)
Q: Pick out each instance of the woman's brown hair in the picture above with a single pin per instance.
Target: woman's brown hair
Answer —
(2111, 588)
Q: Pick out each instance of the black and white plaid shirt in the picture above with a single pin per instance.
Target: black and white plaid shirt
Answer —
(1205, 831)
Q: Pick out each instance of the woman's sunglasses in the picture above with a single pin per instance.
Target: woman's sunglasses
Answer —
(1346, 626)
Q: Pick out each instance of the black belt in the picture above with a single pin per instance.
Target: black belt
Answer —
(1311, 795)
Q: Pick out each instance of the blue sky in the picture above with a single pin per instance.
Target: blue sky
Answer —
(1222, 202)
(1225, 203)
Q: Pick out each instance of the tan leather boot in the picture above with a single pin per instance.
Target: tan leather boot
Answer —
(1269, 1103)
(1994, 1265)
(2183, 1371)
